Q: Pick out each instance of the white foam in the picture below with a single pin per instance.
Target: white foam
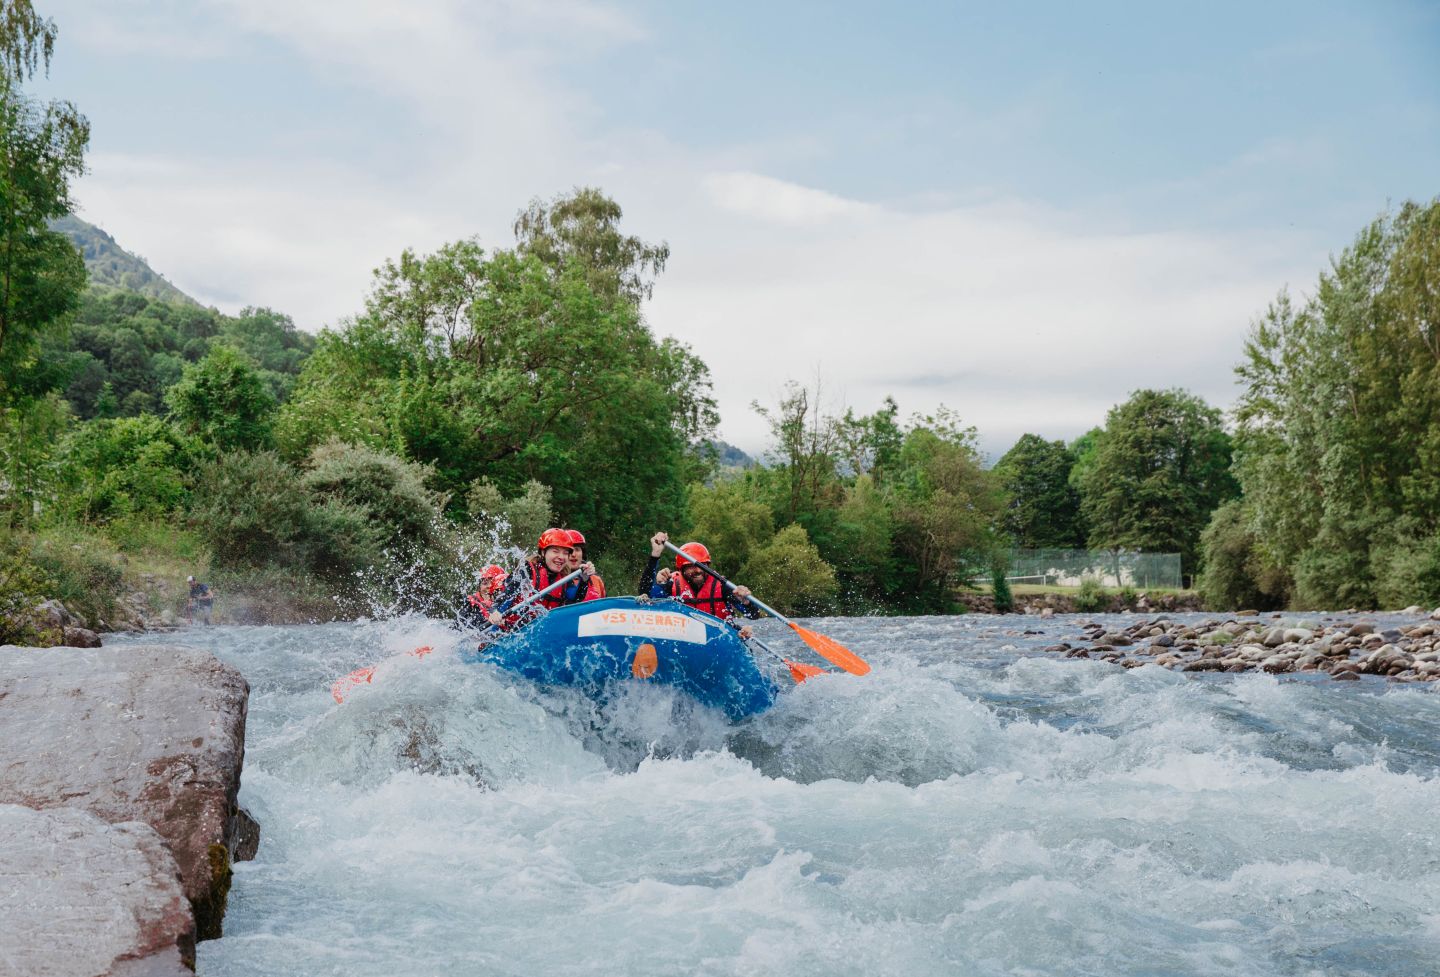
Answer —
(957, 811)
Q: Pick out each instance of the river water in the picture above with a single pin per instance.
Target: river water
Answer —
(973, 806)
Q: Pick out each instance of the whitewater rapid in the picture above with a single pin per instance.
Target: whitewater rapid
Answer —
(973, 806)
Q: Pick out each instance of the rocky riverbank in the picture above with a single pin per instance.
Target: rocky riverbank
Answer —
(1345, 649)
(158, 605)
(133, 755)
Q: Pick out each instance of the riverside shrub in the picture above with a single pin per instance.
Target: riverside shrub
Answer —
(389, 490)
(1237, 573)
(1332, 576)
(732, 525)
(85, 571)
(1000, 587)
(1407, 572)
(126, 466)
(1090, 598)
(789, 573)
(22, 586)
(253, 511)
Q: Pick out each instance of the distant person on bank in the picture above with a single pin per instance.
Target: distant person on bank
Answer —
(200, 601)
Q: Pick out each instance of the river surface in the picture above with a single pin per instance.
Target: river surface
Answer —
(973, 806)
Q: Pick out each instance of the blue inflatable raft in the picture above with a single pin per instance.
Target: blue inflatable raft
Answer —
(600, 642)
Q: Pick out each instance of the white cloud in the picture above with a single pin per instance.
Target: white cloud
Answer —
(769, 199)
(1021, 317)
(139, 28)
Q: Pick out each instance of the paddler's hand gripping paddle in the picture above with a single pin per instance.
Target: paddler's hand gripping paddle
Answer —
(534, 597)
(824, 646)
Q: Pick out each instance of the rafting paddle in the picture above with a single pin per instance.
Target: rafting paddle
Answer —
(361, 675)
(823, 645)
(536, 596)
(799, 672)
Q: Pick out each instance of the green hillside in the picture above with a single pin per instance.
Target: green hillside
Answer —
(111, 267)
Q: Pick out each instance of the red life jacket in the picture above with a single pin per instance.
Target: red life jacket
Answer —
(540, 578)
(582, 589)
(710, 599)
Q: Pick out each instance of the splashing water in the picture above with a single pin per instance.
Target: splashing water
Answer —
(972, 806)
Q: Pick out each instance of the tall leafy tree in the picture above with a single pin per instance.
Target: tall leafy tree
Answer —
(806, 448)
(1161, 466)
(584, 227)
(532, 363)
(223, 400)
(945, 511)
(1339, 422)
(1042, 508)
(42, 148)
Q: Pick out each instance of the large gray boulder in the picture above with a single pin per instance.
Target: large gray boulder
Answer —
(147, 733)
(82, 896)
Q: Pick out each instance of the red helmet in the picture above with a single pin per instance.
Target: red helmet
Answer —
(553, 537)
(493, 576)
(695, 551)
(577, 538)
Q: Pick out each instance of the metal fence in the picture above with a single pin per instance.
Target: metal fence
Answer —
(1110, 568)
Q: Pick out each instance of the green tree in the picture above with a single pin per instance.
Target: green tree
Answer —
(1339, 420)
(945, 513)
(730, 522)
(1042, 508)
(584, 227)
(42, 148)
(140, 347)
(127, 466)
(29, 433)
(865, 533)
(223, 400)
(789, 574)
(1161, 466)
(1237, 572)
(1000, 587)
(806, 446)
(512, 367)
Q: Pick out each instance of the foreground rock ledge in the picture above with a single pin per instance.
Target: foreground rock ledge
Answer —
(79, 895)
(150, 733)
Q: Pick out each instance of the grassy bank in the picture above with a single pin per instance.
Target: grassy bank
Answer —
(132, 575)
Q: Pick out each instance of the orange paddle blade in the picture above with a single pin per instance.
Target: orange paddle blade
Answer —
(831, 650)
(801, 672)
(342, 685)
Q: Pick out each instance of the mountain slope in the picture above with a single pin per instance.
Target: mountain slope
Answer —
(111, 267)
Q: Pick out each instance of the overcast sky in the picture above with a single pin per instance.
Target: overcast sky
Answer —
(1022, 211)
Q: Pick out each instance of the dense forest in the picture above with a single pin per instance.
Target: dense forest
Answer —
(111, 267)
(482, 391)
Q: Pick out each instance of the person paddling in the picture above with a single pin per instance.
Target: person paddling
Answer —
(591, 583)
(549, 565)
(691, 584)
(478, 605)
